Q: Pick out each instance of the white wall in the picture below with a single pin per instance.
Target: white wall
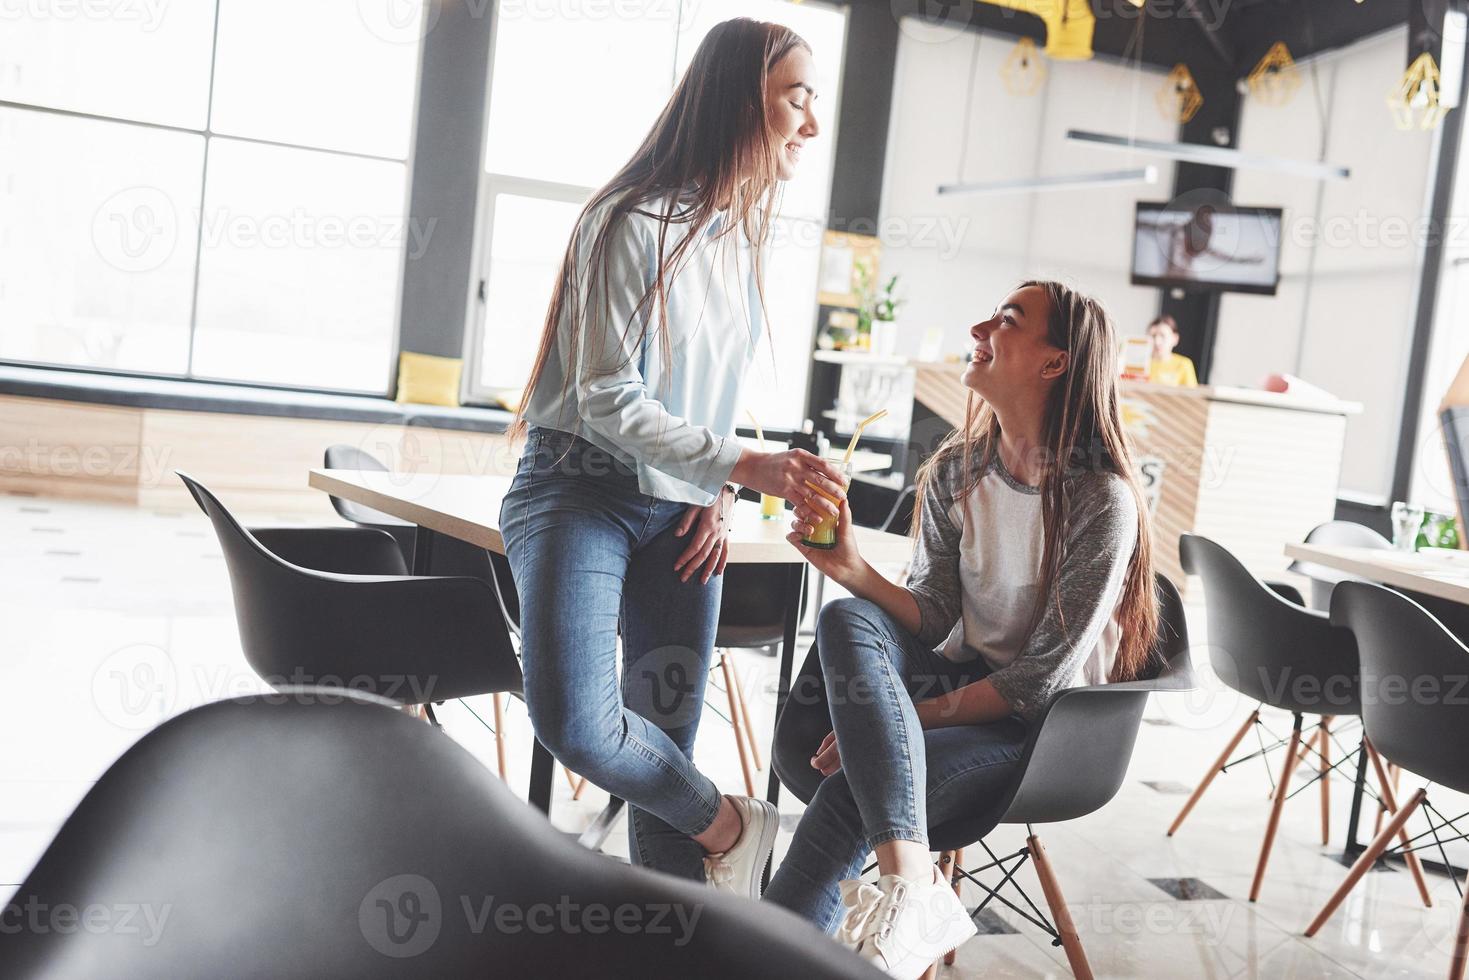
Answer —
(986, 243)
(1343, 317)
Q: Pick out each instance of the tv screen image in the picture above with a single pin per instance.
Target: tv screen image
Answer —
(1207, 247)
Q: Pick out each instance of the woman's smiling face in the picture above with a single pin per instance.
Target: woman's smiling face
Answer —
(789, 107)
(1013, 353)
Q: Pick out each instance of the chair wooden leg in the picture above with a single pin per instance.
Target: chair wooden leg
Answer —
(1415, 867)
(570, 778)
(1394, 772)
(1214, 770)
(499, 703)
(956, 861)
(734, 720)
(1292, 759)
(932, 972)
(747, 725)
(1365, 861)
(581, 785)
(1070, 941)
(1461, 941)
(1323, 748)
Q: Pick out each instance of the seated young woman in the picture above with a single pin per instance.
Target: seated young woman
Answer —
(1032, 572)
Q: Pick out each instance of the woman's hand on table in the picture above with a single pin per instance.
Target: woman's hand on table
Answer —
(788, 474)
(842, 564)
(827, 759)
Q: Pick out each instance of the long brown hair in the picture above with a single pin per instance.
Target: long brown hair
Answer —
(710, 150)
(1083, 431)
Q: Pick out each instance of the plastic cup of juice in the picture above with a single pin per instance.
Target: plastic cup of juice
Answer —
(772, 508)
(824, 534)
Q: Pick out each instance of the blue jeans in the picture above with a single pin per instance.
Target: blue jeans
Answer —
(591, 553)
(874, 670)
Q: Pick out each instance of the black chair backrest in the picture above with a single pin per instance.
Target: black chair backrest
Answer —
(1077, 757)
(271, 837)
(342, 456)
(1415, 682)
(1073, 763)
(1267, 648)
(408, 638)
(1341, 534)
(752, 605)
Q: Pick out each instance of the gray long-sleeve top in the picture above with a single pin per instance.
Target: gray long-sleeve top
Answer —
(976, 578)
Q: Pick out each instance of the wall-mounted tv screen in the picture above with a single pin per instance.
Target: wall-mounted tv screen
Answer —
(1220, 247)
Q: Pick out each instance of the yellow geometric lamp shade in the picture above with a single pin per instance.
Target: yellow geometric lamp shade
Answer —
(1179, 99)
(1069, 25)
(1024, 71)
(1275, 79)
(425, 379)
(1415, 100)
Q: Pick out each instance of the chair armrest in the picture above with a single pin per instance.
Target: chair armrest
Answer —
(340, 550)
(1287, 592)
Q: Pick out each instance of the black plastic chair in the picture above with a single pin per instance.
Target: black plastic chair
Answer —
(450, 555)
(1074, 762)
(1278, 653)
(275, 837)
(1339, 534)
(1416, 714)
(412, 639)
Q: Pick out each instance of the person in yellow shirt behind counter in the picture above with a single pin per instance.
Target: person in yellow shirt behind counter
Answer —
(1166, 367)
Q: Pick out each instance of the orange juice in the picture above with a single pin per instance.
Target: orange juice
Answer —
(824, 534)
(772, 508)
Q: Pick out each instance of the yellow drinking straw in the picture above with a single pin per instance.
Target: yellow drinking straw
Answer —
(823, 535)
(759, 432)
(772, 508)
(858, 434)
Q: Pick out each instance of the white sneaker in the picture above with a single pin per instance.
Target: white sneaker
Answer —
(900, 925)
(740, 868)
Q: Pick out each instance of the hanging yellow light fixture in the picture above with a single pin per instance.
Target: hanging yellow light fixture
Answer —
(1275, 79)
(1023, 71)
(1179, 98)
(1415, 101)
(1069, 24)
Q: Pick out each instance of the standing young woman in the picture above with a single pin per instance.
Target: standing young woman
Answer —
(1032, 571)
(617, 517)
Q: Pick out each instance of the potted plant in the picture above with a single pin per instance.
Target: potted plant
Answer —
(877, 317)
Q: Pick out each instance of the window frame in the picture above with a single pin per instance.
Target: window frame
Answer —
(208, 134)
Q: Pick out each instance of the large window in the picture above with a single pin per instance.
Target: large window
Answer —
(207, 189)
(555, 135)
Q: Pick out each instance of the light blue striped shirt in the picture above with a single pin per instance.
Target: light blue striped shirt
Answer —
(675, 427)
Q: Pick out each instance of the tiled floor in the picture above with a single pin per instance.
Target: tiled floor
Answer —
(117, 618)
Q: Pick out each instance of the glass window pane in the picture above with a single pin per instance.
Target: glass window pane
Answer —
(96, 242)
(572, 96)
(775, 386)
(300, 261)
(339, 75)
(825, 29)
(144, 61)
(526, 246)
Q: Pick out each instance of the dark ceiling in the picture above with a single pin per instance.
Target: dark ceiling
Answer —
(1220, 40)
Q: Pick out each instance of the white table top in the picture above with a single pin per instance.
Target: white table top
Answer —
(1399, 569)
(468, 508)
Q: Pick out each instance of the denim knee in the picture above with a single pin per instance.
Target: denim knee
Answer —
(569, 735)
(841, 620)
